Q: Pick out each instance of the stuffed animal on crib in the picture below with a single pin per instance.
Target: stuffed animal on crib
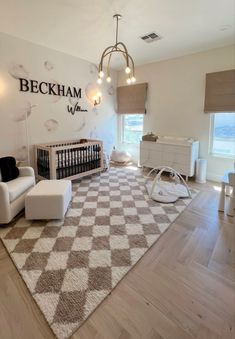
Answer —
(83, 141)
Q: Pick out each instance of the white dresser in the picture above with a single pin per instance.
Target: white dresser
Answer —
(178, 153)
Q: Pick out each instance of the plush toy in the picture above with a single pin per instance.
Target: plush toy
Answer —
(8, 169)
(83, 141)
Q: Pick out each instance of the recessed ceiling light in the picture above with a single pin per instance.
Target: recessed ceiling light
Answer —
(224, 27)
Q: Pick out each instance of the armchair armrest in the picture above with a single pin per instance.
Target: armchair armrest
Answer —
(4, 194)
(26, 172)
(4, 203)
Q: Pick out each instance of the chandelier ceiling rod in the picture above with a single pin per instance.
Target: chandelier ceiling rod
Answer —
(119, 47)
(118, 17)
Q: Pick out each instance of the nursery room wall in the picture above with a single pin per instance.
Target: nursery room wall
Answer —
(48, 118)
(175, 100)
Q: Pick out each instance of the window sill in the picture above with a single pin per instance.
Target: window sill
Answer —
(130, 143)
(223, 156)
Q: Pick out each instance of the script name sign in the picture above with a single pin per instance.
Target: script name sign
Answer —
(43, 87)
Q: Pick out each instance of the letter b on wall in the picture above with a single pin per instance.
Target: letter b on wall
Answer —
(24, 85)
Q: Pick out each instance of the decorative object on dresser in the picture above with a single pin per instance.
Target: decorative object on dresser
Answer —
(149, 137)
(70, 159)
(178, 153)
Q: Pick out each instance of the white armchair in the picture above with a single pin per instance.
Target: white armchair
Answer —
(12, 194)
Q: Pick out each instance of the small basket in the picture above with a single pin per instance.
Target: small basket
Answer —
(149, 137)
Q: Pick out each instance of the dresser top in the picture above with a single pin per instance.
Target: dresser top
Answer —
(173, 141)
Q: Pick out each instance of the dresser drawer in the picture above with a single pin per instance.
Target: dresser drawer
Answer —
(176, 149)
(150, 158)
(175, 158)
(148, 145)
(179, 167)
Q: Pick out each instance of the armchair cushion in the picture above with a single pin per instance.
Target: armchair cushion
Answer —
(8, 168)
(18, 186)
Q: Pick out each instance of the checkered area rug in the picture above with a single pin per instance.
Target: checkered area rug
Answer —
(70, 266)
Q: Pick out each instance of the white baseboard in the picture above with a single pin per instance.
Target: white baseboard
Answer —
(214, 177)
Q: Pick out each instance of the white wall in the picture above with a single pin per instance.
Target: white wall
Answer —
(176, 90)
(175, 99)
(48, 118)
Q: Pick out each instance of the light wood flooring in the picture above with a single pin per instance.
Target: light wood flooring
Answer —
(183, 288)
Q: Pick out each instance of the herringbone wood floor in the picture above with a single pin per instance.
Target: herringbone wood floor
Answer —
(184, 287)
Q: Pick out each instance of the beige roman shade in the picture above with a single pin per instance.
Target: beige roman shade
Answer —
(220, 92)
(131, 99)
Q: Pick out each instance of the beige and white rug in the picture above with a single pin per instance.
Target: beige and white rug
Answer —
(70, 266)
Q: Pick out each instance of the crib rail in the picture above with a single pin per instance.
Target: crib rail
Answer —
(69, 159)
(43, 167)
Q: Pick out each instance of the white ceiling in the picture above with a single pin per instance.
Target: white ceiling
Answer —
(83, 28)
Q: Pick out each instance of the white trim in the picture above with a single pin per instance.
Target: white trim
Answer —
(222, 156)
(211, 153)
(121, 129)
(119, 132)
(212, 119)
(213, 177)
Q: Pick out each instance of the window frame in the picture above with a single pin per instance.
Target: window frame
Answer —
(211, 152)
(121, 129)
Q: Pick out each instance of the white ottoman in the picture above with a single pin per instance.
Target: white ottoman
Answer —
(49, 199)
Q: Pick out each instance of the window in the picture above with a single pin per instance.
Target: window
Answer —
(132, 128)
(223, 134)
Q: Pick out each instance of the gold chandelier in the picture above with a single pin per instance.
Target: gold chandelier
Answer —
(119, 47)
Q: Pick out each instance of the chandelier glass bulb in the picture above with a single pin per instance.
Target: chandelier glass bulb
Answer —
(128, 80)
(99, 81)
(127, 70)
(101, 74)
(108, 79)
(133, 79)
